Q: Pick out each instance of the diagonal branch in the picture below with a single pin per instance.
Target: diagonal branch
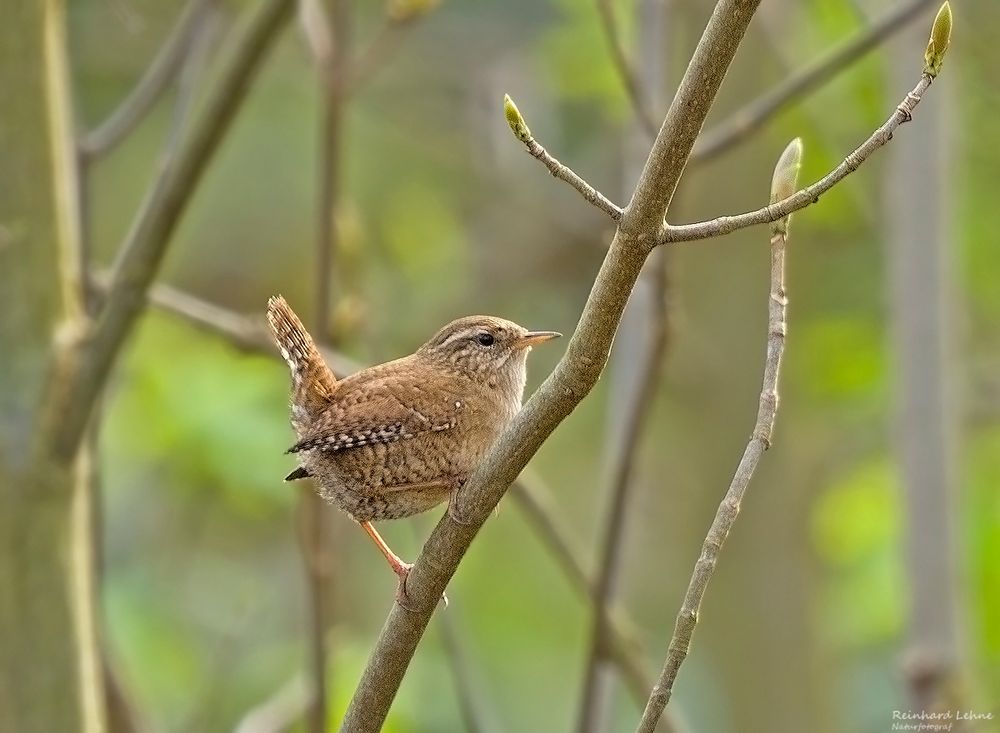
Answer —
(572, 379)
(155, 81)
(747, 120)
(245, 332)
(760, 441)
(810, 194)
(557, 169)
(80, 376)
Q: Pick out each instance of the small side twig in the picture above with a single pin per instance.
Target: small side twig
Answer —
(810, 194)
(750, 118)
(783, 181)
(157, 78)
(557, 169)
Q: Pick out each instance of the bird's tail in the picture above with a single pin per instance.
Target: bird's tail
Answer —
(312, 381)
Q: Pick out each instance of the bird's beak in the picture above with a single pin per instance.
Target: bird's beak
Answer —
(536, 337)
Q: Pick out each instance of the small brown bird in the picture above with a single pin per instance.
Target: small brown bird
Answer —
(399, 438)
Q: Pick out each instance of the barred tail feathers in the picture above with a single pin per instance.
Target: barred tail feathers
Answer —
(312, 381)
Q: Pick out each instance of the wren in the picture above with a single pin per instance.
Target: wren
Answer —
(402, 437)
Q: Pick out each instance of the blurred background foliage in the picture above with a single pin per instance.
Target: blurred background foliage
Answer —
(443, 214)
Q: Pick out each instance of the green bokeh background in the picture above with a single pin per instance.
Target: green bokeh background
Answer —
(443, 214)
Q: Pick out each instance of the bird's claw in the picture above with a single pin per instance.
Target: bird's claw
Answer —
(402, 598)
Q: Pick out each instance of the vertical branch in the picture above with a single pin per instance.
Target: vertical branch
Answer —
(329, 36)
(48, 605)
(636, 366)
(919, 222)
(782, 185)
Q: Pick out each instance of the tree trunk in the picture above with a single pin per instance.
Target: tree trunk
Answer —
(49, 679)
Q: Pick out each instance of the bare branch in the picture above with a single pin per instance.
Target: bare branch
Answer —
(624, 67)
(760, 441)
(808, 195)
(570, 382)
(557, 169)
(76, 384)
(759, 112)
(154, 82)
(317, 535)
(247, 333)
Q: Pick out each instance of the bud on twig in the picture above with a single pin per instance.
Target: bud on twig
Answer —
(938, 42)
(785, 179)
(514, 119)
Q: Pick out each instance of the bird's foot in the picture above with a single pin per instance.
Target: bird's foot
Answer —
(402, 571)
(453, 507)
(455, 516)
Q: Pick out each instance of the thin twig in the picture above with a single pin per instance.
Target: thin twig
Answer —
(572, 379)
(565, 173)
(810, 194)
(244, 332)
(469, 702)
(557, 169)
(753, 116)
(154, 82)
(624, 67)
(75, 386)
(760, 440)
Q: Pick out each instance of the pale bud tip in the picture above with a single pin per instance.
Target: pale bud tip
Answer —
(515, 120)
(939, 41)
(786, 171)
(785, 180)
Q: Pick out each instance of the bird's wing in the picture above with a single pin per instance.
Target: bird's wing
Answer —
(381, 411)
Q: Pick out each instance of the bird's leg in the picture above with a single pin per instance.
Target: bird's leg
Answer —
(399, 566)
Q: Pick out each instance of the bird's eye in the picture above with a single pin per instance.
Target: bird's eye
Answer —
(485, 339)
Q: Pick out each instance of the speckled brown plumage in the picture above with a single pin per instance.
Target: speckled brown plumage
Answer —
(399, 438)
